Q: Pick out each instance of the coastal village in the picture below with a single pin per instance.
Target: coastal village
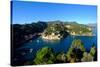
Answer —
(54, 36)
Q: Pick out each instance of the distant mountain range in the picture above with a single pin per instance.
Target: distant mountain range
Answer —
(92, 24)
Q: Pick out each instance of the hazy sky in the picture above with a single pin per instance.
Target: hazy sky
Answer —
(27, 12)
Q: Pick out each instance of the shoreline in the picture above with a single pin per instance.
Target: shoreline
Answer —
(83, 35)
(46, 38)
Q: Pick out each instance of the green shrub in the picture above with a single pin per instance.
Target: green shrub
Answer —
(75, 52)
(93, 50)
(87, 57)
(61, 57)
(44, 56)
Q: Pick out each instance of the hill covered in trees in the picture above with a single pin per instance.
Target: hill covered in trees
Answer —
(52, 29)
(74, 28)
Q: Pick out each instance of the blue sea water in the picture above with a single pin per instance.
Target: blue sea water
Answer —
(56, 45)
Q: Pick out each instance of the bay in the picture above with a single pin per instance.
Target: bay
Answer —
(29, 49)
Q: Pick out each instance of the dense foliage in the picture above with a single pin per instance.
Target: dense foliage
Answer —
(57, 28)
(23, 32)
(44, 56)
(79, 29)
(76, 53)
(76, 50)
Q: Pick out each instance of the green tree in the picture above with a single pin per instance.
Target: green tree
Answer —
(75, 52)
(87, 57)
(77, 43)
(93, 50)
(44, 56)
(61, 57)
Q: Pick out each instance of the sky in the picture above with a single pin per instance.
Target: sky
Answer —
(28, 12)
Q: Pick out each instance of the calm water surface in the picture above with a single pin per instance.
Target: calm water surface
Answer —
(29, 49)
